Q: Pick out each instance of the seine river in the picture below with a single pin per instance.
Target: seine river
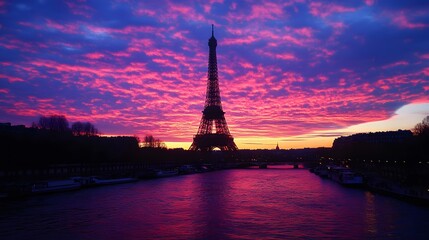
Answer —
(273, 203)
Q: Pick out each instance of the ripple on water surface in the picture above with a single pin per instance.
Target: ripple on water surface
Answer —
(233, 204)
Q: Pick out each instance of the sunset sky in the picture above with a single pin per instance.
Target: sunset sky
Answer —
(298, 73)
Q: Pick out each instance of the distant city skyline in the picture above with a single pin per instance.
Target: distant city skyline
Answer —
(297, 73)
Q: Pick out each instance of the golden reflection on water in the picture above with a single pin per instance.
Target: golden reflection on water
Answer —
(370, 214)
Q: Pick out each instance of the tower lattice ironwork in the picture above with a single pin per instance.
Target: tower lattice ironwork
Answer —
(213, 115)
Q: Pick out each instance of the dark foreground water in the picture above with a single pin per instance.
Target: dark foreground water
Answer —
(232, 204)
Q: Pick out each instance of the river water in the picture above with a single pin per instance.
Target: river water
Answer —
(273, 203)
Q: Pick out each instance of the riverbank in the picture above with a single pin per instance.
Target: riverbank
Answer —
(38, 182)
(417, 194)
(375, 183)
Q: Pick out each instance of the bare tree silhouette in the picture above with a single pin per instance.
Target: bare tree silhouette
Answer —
(422, 128)
(57, 123)
(151, 142)
(84, 129)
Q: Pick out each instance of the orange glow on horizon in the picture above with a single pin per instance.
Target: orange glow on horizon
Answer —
(267, 143)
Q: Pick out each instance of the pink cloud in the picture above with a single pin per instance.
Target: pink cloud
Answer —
(258, 12)
(272, 117)
(306, 31)
(337, 25)
(273, 36)
(24, 109)
(128, 30)
(246, 65)
(424, 56)
(338, 28)
(266, 10)
(324, 10)
(67, 68)
(94, 55)
(11, 79)
(322, 78)
(164, 62)
(65, 28)
(401, 20)
(4, 91)
(139, 44)
(181, 35)
(176, 10)
(2, 9)
(238, 31)
(369, 2)
(207, 5)
(12, 43)
(272, 54)
(285, 56)
(397, 81)
(346, 70)
(324, 52)
(292, 39)
(31, 25)
(121, 54)
(239, 41)
(79, 8)
(395, 64)
(291, 77)
(274, 120)
(143, 11)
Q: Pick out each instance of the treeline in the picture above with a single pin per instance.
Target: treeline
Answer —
(59, 124)
(152, 142)
(51, 141)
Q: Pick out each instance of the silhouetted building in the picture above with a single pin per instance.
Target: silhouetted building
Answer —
(6, 124)
(399, 136)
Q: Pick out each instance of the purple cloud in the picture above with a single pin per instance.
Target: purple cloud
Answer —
(286, 68)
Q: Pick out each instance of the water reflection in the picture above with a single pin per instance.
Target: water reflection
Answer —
(233, 204)
(370, 214)
(212, 194)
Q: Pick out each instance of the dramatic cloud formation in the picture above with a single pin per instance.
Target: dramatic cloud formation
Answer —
(296, 72)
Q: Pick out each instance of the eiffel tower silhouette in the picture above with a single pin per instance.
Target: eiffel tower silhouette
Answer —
(213, 115)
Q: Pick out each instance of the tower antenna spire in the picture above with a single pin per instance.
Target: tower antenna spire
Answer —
(212, 30)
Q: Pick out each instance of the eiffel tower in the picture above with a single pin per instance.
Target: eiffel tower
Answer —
(206, 140)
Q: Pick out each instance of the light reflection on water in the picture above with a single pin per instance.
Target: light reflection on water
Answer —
(232, 204)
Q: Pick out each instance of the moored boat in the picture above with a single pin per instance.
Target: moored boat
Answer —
(321, 171)
(166, 173)
(345, 176)
(54, 186)
(98, 181)
(108, 181)
(186, 169)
